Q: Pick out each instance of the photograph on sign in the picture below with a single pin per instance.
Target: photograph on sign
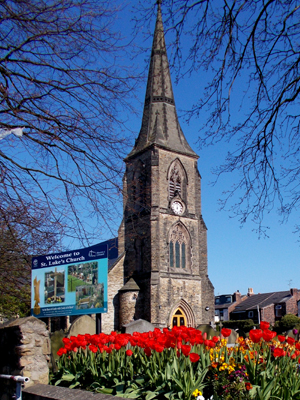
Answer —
(60, 287)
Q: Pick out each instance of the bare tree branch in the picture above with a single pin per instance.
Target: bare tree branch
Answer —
(62, 79)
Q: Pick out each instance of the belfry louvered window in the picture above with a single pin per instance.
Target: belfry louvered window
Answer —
(174, 182)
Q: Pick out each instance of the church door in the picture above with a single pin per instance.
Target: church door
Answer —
(178, 318)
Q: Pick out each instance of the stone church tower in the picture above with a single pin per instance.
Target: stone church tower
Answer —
(163, 235)
(160, 274)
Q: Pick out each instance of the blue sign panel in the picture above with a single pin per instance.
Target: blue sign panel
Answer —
(70, 283)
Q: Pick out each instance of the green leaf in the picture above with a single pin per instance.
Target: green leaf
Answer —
(68, 377)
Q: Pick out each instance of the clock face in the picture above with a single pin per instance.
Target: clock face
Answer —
(177, 207)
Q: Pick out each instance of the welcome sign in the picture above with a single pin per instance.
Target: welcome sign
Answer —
(70, 283)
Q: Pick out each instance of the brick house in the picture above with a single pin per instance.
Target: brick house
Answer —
(270, 307)
(226, 303)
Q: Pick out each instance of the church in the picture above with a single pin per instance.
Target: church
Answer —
(160, 274)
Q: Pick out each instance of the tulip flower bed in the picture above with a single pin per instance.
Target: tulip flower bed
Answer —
(182, 364)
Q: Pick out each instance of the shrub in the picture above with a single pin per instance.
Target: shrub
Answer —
(287, 322)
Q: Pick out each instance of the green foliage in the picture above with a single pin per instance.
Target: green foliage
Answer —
(287, 322)
(138, 376)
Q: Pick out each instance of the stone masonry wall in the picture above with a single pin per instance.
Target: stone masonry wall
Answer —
(25, 350)
(115, 280)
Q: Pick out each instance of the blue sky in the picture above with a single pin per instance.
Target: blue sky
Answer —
(237, 258)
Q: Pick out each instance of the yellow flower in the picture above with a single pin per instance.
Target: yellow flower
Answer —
(197, 393)
(232, 361)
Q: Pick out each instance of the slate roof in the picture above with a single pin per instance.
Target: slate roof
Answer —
(160, 125)
(130, 285)
(262, 300)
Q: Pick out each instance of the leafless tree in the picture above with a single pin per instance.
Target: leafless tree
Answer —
(250, 51)
(62, 87)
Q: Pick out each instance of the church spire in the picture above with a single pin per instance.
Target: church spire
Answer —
(160, 125)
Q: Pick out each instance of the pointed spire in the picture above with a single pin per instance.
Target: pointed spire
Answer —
(160, 123)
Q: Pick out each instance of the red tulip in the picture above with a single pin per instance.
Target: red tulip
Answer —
(147, 351)
(215, 339)
(281, 338)
(61, 351)
(185, 349)
(194, 357)
(225, 332)
(159, 348)
(129, 353)
(255, 335)
(264, 325)
(278, 352)
(268, 335)
(290, 340)
(93, 348)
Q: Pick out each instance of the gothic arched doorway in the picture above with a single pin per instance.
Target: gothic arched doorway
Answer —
(178, 318)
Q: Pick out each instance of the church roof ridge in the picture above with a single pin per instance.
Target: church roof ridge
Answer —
(160, 125)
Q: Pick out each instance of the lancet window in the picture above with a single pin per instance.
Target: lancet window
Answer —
(179, 247)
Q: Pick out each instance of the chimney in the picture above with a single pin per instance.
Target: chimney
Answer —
(294, 291)
(237, 296)
(250, 292)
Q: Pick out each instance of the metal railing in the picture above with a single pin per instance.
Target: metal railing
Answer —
(19, 380)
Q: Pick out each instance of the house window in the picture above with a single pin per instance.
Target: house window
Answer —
(179, 247)
(278, 311)
(250, 314)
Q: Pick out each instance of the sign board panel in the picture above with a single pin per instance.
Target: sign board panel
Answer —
(70, 283)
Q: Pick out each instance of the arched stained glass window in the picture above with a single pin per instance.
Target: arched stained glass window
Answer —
(179, 247)
(183, 255)
(171, 254)
(177, 254)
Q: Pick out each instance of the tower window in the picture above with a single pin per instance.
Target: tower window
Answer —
(175, 178)
(177, 252)
(171, 188)
(179, 247)
(183, 255)
(171, 254)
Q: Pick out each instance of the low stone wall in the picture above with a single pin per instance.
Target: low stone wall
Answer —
(46, 392)
(25, 350)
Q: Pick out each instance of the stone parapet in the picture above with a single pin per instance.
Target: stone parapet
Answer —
(25, 350)
(47, 392)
